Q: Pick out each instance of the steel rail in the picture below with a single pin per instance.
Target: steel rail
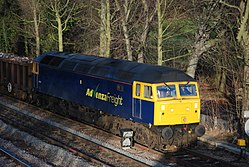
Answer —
(13, 156)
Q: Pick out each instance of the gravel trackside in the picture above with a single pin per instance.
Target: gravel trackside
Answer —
(35, 151)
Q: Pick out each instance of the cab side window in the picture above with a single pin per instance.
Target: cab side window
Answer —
(147, 91)
(138, 89)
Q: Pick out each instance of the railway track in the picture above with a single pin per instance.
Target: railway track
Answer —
(190, 158)
(8, 158)
(84, 148)
(97, 152)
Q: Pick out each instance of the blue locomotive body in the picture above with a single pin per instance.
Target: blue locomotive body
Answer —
(156, 102)
(99, 91)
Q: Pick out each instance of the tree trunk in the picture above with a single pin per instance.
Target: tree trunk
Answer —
(26, 42)
(108, 29)
(246, 77)
(60, 33)
(143, 39)
(105, 29)
(124, 16)
(37, 36)
(201, 45)
(159, 34)
(223, 71)
(102, 40)
(127, 42)
(243, 39)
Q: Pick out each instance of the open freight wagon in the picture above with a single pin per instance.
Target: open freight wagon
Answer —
(16, 76)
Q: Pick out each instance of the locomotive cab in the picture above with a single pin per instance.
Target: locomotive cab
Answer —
(177, 103)
(169, 104)
(172, 103)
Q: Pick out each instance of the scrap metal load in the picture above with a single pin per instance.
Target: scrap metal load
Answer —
(15, 74)
(15, 58)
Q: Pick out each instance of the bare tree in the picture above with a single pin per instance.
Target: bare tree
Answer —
(125, 11)
(35, 6)
(202, 37)
(243, 40)
(173, 22)
(62, 11)
(148, 14)
(161, 12)
(135, 20)
(31, 19)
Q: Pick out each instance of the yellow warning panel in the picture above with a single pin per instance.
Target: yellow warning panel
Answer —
(241, 142)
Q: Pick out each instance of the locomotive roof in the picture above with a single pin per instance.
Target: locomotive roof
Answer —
(116, 69)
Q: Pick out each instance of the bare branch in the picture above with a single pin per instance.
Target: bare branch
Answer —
(231, 6)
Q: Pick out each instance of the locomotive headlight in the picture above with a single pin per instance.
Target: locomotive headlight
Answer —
(172, 110)
(196, 105)
(162, 107)
(187, 109)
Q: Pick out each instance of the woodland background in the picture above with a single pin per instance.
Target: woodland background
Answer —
(206, 38)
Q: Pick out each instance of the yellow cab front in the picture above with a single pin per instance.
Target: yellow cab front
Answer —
(176, 103)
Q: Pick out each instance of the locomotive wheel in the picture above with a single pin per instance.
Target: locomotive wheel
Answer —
(65, 107)
(9, 87)
(200, 130)
(167, 133)
(145, 137)
(38, 100)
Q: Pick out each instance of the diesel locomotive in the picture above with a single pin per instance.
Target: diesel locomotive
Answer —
(160, 104)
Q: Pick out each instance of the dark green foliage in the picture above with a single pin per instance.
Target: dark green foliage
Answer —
(9, 35)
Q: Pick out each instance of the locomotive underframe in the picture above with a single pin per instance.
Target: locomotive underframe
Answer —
(149, 136)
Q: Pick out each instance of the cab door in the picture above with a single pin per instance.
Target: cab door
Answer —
(136, 106)
(143, 102)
